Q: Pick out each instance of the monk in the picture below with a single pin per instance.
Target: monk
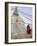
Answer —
(28, 29)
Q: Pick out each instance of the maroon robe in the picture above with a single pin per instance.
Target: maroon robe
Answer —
(28, 29)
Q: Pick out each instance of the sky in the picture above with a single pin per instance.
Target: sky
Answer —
(27, 10)
(26, 13)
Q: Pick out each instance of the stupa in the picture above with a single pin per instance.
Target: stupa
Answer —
(15, 16)
(17, 24)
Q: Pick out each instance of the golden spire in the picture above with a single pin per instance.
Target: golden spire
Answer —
(15, 12)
